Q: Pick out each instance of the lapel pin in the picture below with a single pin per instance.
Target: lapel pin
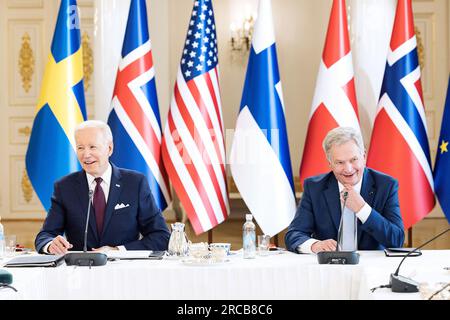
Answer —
(118, 185)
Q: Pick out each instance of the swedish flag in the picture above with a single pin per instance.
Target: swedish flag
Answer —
(61, 106)
(442, 165)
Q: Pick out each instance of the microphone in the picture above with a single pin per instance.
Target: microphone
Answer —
(86, 258)
(402, 284)
(337, 256)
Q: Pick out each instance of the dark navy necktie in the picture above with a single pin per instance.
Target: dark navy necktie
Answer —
(99, 205)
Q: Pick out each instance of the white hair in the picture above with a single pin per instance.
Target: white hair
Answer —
(104, 128)
(340, 135)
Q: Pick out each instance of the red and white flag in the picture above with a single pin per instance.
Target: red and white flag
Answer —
(334, 103)
(193, 145)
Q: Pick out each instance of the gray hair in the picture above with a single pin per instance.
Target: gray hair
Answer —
(340, 135)
(104, 128)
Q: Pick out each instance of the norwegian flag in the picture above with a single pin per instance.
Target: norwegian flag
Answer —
(134, 118)
(193, 144)
(334, 103)
(399, 145)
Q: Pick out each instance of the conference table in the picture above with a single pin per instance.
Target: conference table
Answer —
(280, 275)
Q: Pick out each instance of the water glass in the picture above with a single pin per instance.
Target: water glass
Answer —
(263, 244)
(10, 245)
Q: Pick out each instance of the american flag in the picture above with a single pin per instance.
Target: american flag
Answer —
(193, 144)
(134, 118)
(334, 103)
(399, 145)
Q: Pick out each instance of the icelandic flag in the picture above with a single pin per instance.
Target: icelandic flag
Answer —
(260, 160)
(399, 144)
(442, 165)
(134, 119)
(61, 107)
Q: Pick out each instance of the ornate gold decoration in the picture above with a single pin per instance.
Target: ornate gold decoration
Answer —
(88, 60)
(26, 62)
(27, 188)
(420, 48)
(25, 130)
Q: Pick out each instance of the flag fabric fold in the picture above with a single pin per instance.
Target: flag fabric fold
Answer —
(51, 152)
(135, 119)
(442, 164)
(260, 161)
(334, 103)
(193, 147)
(399, 144)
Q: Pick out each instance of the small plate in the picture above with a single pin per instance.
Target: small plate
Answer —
(168, 257)
(203, 262)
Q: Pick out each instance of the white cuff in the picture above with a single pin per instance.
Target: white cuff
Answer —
(45, 248)
(364, 213)
(305, 247)
(121, 248)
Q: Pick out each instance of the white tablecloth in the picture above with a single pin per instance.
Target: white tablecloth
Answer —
(278, 276)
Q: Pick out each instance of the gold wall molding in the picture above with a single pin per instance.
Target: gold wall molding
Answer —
(420, 47)
(26, 62)
(27, 188)
(25, 131)
(20, 130)
(88, 60)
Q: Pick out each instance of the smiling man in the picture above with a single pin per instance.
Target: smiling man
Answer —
(124, 215)
(371, 215)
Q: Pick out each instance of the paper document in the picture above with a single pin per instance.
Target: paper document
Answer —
(129, 254)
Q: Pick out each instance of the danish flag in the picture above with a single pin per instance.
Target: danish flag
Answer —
(399, 145)
(134, 118)
(193, 146)
(334, 103)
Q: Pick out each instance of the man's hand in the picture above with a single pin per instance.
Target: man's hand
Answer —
(354, 200)
(104, 249)
(326, 245)
(59, 245)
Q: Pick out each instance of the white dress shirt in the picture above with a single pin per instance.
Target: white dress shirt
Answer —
(363, 214)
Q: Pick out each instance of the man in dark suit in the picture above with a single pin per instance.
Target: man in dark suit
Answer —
(370, 195)
(124, 215)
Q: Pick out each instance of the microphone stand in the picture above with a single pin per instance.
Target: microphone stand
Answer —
(86, 258)
(337, 256)
(402, 284)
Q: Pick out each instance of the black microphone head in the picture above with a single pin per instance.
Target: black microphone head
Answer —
(5, 277)
(91, 193)
(345, 195)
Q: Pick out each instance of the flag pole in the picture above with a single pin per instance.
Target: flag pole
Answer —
(275, 240)
(210, 236)
(410, 239)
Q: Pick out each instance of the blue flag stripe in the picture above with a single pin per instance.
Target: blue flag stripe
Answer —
(51, 160)
(66, 39)
(401, 99)
(126, 152)
(261, 98)
(137, 27)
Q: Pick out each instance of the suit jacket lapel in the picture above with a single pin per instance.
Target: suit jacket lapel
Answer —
(82, 190)
(331, 195)
(367, 192)
(115, 189)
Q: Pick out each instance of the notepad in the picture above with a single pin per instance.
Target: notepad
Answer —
(128, 255)
(401, 252)
(26, 261)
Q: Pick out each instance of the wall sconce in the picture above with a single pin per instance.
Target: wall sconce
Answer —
(241, 34)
